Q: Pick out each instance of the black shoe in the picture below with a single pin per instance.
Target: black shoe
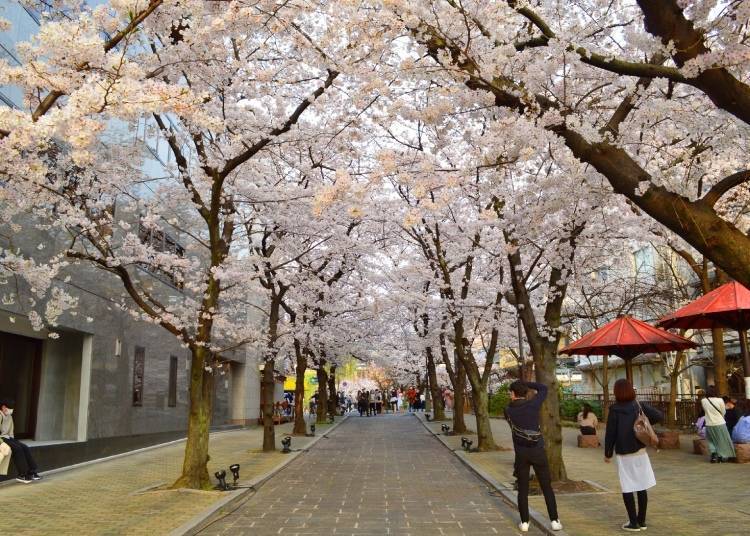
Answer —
(714, 458)
(631, 528)
(23, 479)
(35, 476)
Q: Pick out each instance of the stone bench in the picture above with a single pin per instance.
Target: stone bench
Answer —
(588, 441)
(668, 439)
(743, 452)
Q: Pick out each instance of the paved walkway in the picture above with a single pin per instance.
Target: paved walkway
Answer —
(108, 498)
(691, 497)
(373, 476)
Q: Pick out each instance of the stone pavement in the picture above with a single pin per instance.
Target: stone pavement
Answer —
(692, 497)
(108, 498)
(373, 476)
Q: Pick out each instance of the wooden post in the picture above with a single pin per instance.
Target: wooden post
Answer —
(629, 370)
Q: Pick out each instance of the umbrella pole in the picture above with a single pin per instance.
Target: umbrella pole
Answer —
(629, 370)
(745, 360)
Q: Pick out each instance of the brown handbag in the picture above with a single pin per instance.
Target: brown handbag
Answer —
(643, 429)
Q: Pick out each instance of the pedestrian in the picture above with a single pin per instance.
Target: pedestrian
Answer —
(633, 464)
(394, 400)
(422, 401)
(411, 396)
(719, 441)
(732, 415)
(587, 420)
(20, 453)
(522, 415)
(378, 402)
(448, 397)
(741, 431)
(361, 403)
(370, 403)
(400, 397)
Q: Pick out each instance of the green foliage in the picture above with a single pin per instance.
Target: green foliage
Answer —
(570, 407)
(500, 400)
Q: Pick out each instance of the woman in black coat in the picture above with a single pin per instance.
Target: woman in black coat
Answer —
(633, 464)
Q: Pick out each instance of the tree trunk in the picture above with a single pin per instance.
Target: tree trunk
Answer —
(550, 412)
(674, 375)
(720, 362)
(438, 408)
(300, 426)
(485, 441)
(480, 401)
(269, 432)
(195, 463)
(322, 375)
(459, 395)
(332, 395)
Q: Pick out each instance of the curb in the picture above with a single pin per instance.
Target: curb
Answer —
(235, 498)
(539, 520)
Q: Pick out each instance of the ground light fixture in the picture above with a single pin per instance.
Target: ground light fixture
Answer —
(428, 417)
(466, 443)
(287, 444)
(312, 428)
(445, 428)
(235, 469)
(221, 476)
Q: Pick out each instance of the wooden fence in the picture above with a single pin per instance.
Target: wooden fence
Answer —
(687, 407)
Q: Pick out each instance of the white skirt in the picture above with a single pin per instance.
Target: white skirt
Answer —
(635, 471)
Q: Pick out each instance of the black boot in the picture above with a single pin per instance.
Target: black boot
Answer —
(714, 458)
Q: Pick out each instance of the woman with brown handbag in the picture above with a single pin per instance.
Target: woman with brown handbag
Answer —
(633, 463)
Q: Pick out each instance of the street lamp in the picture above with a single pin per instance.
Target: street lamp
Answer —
(235, 468)
(221, 476)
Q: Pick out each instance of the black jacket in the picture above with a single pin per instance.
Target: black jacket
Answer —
(524, 414)
(620, 436)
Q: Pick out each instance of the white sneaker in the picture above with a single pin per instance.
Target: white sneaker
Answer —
(523, 527)
(556, 525)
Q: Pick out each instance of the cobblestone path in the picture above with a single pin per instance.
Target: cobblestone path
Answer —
(373, 476)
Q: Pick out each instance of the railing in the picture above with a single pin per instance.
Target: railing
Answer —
(687, 406)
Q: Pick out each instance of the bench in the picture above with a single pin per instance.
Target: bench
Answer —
(588, 441)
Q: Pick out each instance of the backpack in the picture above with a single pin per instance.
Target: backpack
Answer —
(644, 432)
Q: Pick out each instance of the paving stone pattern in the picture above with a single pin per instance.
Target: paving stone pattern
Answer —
(373, 476)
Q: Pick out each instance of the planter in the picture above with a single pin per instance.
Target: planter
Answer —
(669, 439)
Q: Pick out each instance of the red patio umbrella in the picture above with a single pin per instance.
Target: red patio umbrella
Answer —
(725, 307)
(627, 337)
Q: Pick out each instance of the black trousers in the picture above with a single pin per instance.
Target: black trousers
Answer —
(21, 456)
(588, 430)
(639, 517)
(526, 458)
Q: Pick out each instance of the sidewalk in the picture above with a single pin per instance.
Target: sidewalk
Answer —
(691, 497)
(112, 497)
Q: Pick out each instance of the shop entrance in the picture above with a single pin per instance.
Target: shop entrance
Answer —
(20, 369)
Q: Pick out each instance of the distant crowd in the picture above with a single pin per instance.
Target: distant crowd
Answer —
(376, 401)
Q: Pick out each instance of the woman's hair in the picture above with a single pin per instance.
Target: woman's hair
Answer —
(743, 407)
(586, 410)
(711, 391)
(624, 391)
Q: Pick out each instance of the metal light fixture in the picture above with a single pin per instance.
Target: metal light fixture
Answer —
(427, 416)
(221, 476)
(287, 444)
(466, 443)
(312, 428)
(235, 468)
(445, 428)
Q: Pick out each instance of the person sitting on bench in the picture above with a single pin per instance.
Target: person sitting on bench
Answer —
(587, 420)
(21, 454)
